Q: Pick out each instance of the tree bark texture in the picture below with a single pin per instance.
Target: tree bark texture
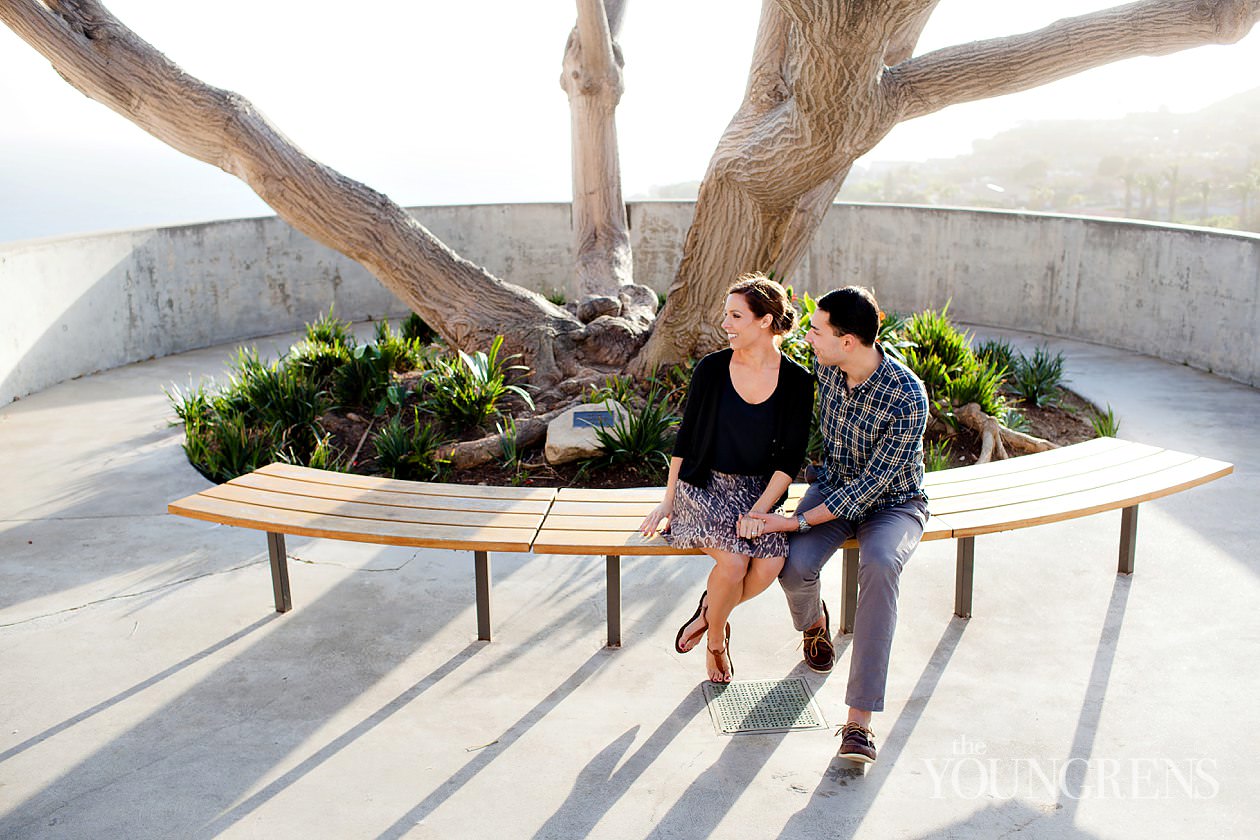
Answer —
(592, 78)
(619, 313)
(828, 81)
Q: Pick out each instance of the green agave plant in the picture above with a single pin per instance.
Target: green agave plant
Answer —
(470, 389)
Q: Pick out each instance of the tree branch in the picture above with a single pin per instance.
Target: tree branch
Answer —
(999, 66)
(595, 33)
(905, 37)
(107, 62)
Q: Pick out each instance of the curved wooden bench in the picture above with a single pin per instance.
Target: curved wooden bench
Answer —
(966, 502)
(1072, 481)
(284, 499)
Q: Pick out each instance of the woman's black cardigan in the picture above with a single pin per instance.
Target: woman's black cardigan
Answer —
(697, 436)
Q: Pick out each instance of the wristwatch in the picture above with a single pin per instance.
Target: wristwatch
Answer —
(801, 525)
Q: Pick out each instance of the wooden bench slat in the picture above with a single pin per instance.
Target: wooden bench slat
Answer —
(360, 510)
(639, 509)
(564, 522)
(1068, 486)
(997, 479)
(645, 495)
(395, 485)
(337, 492)
(1074, 452)
(225, 512)
(1086, 503)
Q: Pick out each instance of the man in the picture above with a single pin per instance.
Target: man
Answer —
(874, 411)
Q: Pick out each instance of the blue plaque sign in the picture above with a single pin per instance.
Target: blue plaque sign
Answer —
(587, 419)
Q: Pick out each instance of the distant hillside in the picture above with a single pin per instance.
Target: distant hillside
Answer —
(1196, 168)
(1200, 168)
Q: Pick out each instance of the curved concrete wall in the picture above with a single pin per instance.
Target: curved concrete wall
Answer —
(79, 305)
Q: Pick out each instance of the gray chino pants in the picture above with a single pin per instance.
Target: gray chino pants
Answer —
(886, 540)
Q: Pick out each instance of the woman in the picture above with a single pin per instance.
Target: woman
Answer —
(743, 437)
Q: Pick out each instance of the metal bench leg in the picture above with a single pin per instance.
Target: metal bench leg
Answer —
(963, 576)
(848, 606)
(1128, 539)
(614, 600)
(279, 572)
(481, 565)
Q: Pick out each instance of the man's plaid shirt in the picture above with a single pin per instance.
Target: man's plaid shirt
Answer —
(873, 439)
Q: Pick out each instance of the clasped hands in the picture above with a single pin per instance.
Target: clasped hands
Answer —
(749, 526)
(754, 524)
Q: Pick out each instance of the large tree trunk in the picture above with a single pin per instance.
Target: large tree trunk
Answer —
(618, 312)
(828, 82)
(592, 78)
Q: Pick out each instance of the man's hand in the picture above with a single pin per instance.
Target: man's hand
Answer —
(774, 522)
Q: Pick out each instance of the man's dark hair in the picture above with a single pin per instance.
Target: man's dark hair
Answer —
(854, 310)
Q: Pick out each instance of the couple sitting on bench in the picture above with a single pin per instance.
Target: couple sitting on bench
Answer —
(743, 438)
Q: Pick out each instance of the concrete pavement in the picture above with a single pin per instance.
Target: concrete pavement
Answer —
(147, 689)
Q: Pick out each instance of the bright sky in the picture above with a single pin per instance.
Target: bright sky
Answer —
(442, 103)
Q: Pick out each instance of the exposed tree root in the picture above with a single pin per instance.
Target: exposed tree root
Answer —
(996, 439)
(474, 453)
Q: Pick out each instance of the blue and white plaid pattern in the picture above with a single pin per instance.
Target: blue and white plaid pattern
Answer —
(873, 438)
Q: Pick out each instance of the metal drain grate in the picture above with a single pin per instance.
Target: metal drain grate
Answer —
(762, 706)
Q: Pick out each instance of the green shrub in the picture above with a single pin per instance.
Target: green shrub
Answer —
(272, 394)
(673, 382)
(643, 439)
(398, 353)
(981, 384)
(327, 456)
(619, 388)
(410, 450)
(1038, 380)
(470, 389)
(1105, 424)
(316, 361)
(937, 455)
(997, 353)
(362, 378)
(263, 410)
(794, 345)
(892, 336)
(931, 370)
(1014, 420)
(217, 439)
(328, 329)
(934, 337)
(393, 398)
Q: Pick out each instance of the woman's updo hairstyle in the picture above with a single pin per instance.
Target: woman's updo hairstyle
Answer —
(766, 297)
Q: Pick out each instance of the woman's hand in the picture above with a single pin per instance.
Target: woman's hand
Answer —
(749, 528)
(662, 512)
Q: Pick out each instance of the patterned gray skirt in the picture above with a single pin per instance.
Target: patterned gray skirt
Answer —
(705, 517)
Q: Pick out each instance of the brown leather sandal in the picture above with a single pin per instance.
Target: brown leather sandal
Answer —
(700, 611)
(725, 651)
